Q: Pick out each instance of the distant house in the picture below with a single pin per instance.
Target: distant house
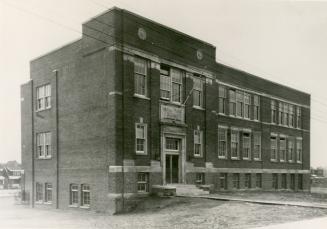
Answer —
(2, 179)
(319, 172)
(10, 178)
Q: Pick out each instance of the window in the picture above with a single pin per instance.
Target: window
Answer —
(236, 180)
(300, 181)
(257, 146)
(247, 182)
(43, 95)
(171, 84)
(74, 194)
(273, 148)
(172, 144)
(143, 182)
(292, 183)
(43, 141)
(282, 149)
(164, 83)
(239, 103)
(273, 112)
(86, 198)
(258, 180)
(256, 107)
(298, 117)
(199, 179)
(247, 146)
(284, 181)
(140, 73)
(285, 117)
(299, 150)
(197, 92)
(290, 150)
(222, 99)
(275, 181)
(280, 113)
(141, 138)
(39, 192)
(222, 142)
(235, 144)
(232, 102)
(223, 181)
(197, 143)
(247, 105)
(48, 193)
(291, 116)
(177, 85)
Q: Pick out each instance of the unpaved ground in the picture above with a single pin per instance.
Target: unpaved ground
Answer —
(279, 196)
(157, 213)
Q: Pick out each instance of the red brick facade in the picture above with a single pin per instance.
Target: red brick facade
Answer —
(94, 111)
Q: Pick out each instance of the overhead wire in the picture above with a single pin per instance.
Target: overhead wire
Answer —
(314, 117)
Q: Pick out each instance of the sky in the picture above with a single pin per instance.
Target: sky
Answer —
(283, 41)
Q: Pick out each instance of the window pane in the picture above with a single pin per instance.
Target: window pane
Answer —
(176, 92)
(176, 76)
(232, 96)
(48, 90)
(197, 98)
(140, 144)
(172, 144)
(197, 84)
(140, 84)
(222, 142)
(222, 92)
(140, 66)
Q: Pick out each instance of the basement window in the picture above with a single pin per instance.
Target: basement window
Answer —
(199, 179)
(143, 182)
(73, 195)
(86, 196)
(48, 193)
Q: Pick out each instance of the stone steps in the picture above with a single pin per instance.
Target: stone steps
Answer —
(189, 190)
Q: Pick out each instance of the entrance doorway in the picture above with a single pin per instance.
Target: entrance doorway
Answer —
(172, 168)
(172, 151)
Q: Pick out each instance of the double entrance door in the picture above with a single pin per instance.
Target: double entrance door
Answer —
(172, 159)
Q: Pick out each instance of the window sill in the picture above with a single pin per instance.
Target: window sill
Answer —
(44, 158)
(246, 159)
(299, 162)
(290, 161)
(73, 206)
(141, 97)
(222, 157)
(235, 158)
(169, 102)
(273, 160)
(39, 202)
(44, 109)
(84, 207)
(141, 153)
(257, 159)
(282, 161)
(48, 203)
(198, 156)
(198, 108)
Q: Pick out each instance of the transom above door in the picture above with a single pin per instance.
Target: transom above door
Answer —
(172, 145)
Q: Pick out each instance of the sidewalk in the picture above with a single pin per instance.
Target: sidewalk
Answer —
(317, 223)
(261, 201)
